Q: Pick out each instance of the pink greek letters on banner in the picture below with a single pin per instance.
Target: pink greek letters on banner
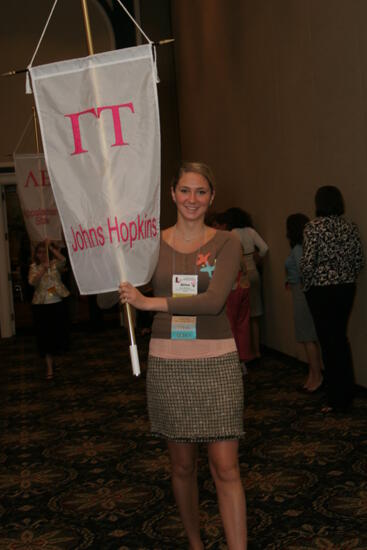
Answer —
(115, 110)
(36, 198)
(32, 179)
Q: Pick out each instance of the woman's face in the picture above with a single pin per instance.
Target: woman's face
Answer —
(192, 196)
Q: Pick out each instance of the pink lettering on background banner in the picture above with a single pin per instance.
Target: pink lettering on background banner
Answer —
(96, 112)
(45, 178)
(31, 178)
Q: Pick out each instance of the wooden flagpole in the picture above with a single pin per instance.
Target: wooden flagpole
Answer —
(38, 149)
(36, 136)
(127, 307)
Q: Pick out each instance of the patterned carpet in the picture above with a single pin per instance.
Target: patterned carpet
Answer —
(78, 468)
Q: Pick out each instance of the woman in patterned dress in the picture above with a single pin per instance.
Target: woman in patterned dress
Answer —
(194, 378)
(332, 258)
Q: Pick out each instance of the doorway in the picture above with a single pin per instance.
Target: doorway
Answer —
(19, 252)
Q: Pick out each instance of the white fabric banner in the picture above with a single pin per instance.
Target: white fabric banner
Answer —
(100, 129)
(36, 198)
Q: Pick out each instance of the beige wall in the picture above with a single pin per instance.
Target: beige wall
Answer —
(273, 95)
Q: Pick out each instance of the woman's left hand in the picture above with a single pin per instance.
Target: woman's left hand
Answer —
(131, 295)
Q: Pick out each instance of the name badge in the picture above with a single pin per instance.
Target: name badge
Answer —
(183, 327)
(184, 285)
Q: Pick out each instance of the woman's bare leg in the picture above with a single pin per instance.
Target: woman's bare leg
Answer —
(314, 363)
(223, 461)
(183, 458)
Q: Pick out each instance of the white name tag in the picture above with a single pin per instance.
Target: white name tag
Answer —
(184, 285)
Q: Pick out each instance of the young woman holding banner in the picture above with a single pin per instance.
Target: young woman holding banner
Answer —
(194, 379)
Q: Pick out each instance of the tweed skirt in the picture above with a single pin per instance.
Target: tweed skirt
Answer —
(196, 400)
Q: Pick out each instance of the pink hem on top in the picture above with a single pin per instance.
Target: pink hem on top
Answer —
(190, 349)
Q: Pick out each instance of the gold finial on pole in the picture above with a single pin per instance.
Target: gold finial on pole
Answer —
(13, 72)
(164, 42)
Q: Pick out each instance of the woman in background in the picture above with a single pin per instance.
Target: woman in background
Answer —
(255, 248)
(48, 305)
(303, 323)
(238, 302)
(332, 259)
(194, 379)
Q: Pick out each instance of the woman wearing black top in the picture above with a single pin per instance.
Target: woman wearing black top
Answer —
(332, 258)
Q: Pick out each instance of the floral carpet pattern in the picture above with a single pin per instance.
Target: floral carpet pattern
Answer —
(78, 468)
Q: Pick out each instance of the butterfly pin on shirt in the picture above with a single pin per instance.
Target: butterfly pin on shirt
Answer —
(203, 262)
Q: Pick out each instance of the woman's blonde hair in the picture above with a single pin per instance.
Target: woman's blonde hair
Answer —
(197, 168)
